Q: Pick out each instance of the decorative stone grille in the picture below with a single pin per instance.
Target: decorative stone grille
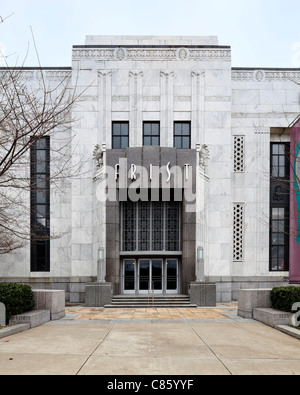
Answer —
(238, 231)
(238, 154)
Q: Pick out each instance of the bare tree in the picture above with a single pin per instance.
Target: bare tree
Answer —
(31, 109)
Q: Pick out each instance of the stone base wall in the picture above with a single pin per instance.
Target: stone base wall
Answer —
(227, 287)
(74, 287)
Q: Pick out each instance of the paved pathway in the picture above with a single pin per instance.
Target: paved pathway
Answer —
(150, 342)
(223, 311)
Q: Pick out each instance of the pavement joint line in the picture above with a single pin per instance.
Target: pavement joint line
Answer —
(84, 363)
(197, 334)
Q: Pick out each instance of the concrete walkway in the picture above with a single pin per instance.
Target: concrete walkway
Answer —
(199, 341)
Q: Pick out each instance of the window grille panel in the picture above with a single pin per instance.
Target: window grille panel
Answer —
(151, 226)
(157, 226)
(238, 154)
(172, 227)
(144, 226)
(238, 231)
(129, 227)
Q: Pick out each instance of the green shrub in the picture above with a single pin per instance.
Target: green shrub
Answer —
(17, 298)
(283, 298)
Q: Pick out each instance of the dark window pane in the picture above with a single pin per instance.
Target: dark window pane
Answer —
(275, 149)
(185, 142)
(116, 129)
(147, 129)
(147, 140)
(155, 129)
(177, 129)
(116, 142)
(41, 143)
(155, 141)
(281, 172)
(124, 142)
(186, 129)
(40, 181)
(124, 129)
(41, 197)
(281, 149)
(41, 210)
(177, 142)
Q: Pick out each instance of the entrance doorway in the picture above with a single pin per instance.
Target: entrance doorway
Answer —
(155, 275)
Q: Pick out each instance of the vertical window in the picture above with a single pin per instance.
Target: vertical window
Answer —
(151, 133)
(120, 135)
(182, 135)
(238, 154)
(40, 205)
(238, 232)
(279, 162)
(279, 242)
(279, 207)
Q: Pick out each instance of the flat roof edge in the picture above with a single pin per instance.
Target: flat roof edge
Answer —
(265, 68)
(150, 46)
(27, 68)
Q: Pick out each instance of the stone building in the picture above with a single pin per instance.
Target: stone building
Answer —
(194, 152)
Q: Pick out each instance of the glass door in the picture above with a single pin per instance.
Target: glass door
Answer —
(171, 276)
(150, 275)
(144, 275)
(129, 276)
(156, 275)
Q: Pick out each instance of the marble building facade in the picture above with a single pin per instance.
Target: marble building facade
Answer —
(168, 101)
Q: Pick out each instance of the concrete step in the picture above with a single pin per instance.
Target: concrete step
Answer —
(157, 301)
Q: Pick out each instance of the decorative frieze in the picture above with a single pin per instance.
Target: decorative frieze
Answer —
(120, 98)
(24, 75)
(182, 98)
(218, 98)
(152, 54)
(58, 75)
(264, 75)
(265, 115)
(28, 75)
(151, 98)
(210, 54)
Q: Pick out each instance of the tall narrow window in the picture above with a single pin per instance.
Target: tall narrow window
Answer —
(40, 205)
(151, 133)
(279, 239)
(182, 135)
(279, 207)
(238, 154)
(238, 232)
(120, 135)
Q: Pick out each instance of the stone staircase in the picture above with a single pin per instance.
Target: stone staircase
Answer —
(151, 301)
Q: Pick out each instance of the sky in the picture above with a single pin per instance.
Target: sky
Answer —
(261, 33)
